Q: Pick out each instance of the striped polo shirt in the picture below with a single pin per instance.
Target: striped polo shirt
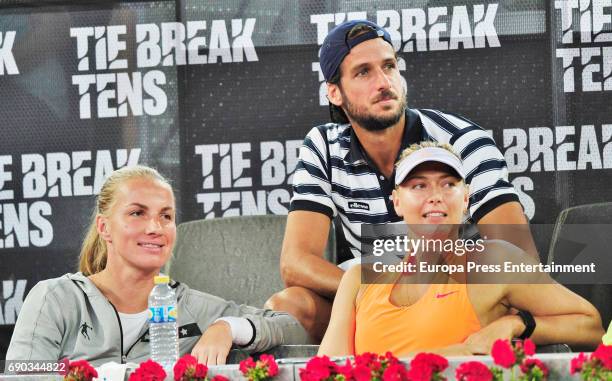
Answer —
(334, 175)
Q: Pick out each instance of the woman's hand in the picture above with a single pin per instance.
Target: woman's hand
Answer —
(455, 350)
(214, 345)
(506, 327)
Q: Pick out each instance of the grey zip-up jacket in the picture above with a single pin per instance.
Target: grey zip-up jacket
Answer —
(69, 317)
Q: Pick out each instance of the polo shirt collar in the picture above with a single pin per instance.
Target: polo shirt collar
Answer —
(355, 153)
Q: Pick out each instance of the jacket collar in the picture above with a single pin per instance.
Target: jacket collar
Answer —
(90, 289)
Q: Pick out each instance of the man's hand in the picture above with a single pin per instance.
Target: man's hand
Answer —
(214, 345)
(506, 327)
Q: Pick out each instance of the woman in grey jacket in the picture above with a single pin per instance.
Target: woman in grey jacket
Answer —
(100, 314)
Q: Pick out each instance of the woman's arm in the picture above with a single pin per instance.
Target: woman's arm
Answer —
(339, 339)
(40, 327)
(561, 316)
(267, 328)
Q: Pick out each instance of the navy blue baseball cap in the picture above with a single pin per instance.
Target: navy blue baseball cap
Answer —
(337, 44)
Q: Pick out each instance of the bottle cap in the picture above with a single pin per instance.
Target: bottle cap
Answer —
(161, 279)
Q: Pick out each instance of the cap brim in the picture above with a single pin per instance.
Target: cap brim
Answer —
(427, 155)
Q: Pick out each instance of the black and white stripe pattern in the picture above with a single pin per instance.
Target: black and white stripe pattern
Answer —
(334, 177)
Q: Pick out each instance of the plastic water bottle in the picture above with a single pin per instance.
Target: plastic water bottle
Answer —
(163, 331)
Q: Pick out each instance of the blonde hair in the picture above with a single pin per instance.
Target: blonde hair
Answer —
(426, 144)
(93, 251)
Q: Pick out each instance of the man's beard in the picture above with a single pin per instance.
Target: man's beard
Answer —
(372, 122)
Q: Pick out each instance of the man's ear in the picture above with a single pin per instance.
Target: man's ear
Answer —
(334, 95)
(396, 202)
(102, 226)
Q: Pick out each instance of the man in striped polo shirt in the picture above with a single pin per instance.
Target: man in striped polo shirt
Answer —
(346, 168)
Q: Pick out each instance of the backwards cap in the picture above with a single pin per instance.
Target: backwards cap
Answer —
(337, 44)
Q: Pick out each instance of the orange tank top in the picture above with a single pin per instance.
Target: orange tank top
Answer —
(442, 316)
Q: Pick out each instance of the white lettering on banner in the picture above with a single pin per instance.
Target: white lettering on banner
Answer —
(13, 293)
(7, 60)
(5, 176)
(180, 44)
(121, 94)
(420, 30)
(115, 92)
(521, 185)
(226, 167)
(588, 65)
(544, 149)
(51, 175)
(26, 223)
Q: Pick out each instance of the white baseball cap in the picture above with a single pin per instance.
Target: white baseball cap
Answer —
(424, 155)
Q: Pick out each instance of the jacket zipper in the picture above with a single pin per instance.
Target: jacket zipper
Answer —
(136, 342)
(123, 357)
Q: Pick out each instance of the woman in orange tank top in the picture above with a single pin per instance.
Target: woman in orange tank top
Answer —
(439, 311)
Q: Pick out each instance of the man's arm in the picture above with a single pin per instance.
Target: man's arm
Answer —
(302, 263)
(508, 222)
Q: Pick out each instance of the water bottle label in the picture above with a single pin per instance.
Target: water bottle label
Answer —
(162, 314)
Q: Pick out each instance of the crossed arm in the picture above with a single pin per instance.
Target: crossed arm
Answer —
(561, 317)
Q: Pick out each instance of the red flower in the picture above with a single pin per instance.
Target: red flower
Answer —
(371, 360)
(604, 354)
(391, 360)
(577, 363)
(503, 354)
(346, 370)
(219, 377)
(361, 373)
(529, 364)
(187, 368)
(246, 364)
(420, 372)
(270, 363)
(435, 362)
(473, 371)
(201, 371)
(63, 371)
(529, 347)
(318, 368)
(179, 370)
(148, 371)
(395, 372)
(261, 370)
(80, 370)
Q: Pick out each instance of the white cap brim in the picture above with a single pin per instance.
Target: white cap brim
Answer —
(424, 155)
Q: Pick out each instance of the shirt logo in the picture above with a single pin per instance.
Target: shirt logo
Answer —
(84, 328)
(440, 296)
(359, 205)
